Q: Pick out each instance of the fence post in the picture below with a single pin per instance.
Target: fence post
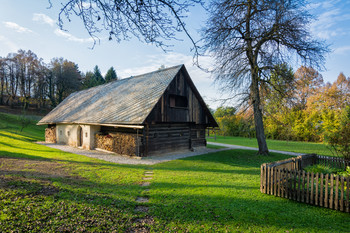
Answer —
(262, 178)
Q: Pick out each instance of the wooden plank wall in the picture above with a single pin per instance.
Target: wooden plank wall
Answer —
(163, 113)
(164, 138)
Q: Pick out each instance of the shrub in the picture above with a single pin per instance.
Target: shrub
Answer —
(325, 169)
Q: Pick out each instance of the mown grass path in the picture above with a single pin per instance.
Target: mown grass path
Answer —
(291, 146)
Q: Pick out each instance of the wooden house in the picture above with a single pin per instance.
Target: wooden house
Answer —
(148, 114)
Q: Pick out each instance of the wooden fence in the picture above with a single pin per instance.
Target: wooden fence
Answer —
(287, 179)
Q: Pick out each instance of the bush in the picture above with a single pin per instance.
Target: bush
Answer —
(325, 169)
(339, 140)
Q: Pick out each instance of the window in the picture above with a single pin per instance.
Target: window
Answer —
(178, 101)
(60, 132)
(86, 134)
(68, 133)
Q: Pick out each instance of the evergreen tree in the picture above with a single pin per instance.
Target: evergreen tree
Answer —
(98, 76)
(89, 80)
(111, 75)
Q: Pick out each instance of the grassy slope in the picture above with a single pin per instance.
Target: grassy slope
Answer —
(300, 147)
(94, 195)
(214, 192)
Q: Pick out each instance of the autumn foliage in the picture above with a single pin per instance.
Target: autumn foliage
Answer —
(303, 109)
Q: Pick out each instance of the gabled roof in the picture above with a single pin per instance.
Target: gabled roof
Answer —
(125, 101)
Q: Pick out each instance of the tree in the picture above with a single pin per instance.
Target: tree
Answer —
(98, 76)
(111, 75)
(89, 80)
(248, 38)
(308, 81)
(67, 77)
(151, 21)
(339, 141)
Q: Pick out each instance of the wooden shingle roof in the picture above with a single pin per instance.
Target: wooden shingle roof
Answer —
(125, 101)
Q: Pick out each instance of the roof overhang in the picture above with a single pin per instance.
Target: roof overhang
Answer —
(83, 123)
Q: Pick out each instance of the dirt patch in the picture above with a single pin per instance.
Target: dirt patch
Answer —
(140, 208)
(33, 176)
(33, 187)
(33, 168)
(141, 225)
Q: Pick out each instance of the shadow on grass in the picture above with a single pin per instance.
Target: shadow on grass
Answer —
(23, 156)
(38, 201)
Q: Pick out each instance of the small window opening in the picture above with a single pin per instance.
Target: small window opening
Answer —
(68, 133)
(60, 132)
(178, 101)
(86, 134)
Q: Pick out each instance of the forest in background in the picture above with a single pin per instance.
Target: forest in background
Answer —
(27, 81)
(299, 107)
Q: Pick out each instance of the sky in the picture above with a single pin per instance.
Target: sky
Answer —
(32, 25)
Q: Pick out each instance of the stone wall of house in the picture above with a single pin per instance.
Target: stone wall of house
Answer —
(70, 135)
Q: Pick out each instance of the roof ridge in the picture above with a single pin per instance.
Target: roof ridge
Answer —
(152, 72)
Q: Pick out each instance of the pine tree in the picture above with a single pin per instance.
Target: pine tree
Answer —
(98, 76)
(111, 75)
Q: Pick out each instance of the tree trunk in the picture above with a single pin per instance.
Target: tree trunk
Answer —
(258, 120)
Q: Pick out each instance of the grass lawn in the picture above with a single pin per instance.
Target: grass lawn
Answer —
(44, 189)
(299, 147)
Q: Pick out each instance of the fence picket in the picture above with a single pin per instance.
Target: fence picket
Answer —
(336, 193)
(347, 194)
(271, 181)
(342, 193)
(279, 183)
(326, 200)
(274, 182)
(329, 190)
(303, 188)
(331, 199)
(262, 175)
(321, 193)
(307, 187)
(316, 189)
(299, 183)
(312, 189)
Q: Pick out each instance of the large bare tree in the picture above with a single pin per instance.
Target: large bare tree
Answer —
(151, 21)
(248, 38)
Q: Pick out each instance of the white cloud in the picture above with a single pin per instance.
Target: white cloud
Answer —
(17, 28)
(70, 37)
(42, 18)
(327, 22)
(342, 50)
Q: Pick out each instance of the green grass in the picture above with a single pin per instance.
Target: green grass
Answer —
(299, 147)
(215, 146)
(216, 192)
(94, 195)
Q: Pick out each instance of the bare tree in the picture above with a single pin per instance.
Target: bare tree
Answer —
(151, 21)
(248, 38)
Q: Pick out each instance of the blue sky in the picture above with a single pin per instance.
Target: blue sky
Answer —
(32, 25)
